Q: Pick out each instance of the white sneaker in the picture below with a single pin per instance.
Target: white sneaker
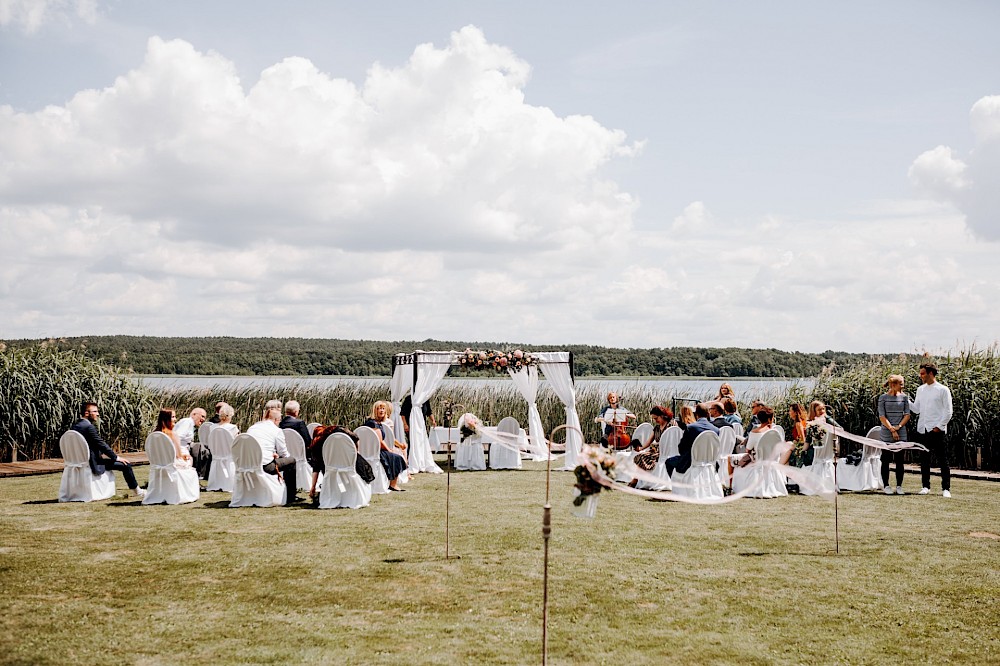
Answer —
(888, 490)
(137, 492)
(924, 491)
(899, 490)
(945, 493)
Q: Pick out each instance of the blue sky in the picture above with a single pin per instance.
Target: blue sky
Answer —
(713, 174)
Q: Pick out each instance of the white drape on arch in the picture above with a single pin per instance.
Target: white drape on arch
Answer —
(431, 369)
(556, 368)
(526, 381)
(400, 384)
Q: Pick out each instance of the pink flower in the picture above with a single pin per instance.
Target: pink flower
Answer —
(518, 353)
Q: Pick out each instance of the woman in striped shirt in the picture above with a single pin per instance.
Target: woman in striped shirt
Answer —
(894, 414)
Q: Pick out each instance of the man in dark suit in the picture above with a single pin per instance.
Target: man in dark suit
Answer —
(291, 421)
(717, 413)
(682, 462)
(102, 456)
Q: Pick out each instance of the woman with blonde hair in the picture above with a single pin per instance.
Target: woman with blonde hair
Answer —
(393, 463)
(893, 414)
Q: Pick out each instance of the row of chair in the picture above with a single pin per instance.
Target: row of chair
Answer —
(236, 468)
(709, 474)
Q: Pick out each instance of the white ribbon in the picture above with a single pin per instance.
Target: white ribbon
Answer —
(224, 465)
(340, 474)
(248, 474)
(877, 443)
(77, 465)
(169, 469)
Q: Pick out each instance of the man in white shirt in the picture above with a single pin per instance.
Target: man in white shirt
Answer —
(933, 404)
(184, 430)
(274, 454)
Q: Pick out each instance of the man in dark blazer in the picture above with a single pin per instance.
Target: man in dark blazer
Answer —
(291, 421)
(102, 456)
(682, 462)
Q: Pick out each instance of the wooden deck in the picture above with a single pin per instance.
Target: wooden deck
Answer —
(52, 465)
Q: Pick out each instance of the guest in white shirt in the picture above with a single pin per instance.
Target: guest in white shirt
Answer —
(184, 429)
(933, 404)
(274, 455)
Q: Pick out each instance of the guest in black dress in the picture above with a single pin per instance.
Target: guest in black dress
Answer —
(314, 454)
(393, 463)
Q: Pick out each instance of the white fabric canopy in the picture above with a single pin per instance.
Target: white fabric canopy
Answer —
(400, 384)
(431, 369)
(557, 369)
(526, 381)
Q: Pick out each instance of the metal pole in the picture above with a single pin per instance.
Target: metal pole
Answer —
(836, 495)
(546, 535)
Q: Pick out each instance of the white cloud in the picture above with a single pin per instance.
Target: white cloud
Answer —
(30, 15)
(972, 183)
(432, 200)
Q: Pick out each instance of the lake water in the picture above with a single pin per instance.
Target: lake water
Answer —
(694, 387)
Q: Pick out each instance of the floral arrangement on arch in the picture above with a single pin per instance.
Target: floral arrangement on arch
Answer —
(498, 361)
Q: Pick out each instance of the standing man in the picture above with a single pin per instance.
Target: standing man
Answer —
(407, 406)
(102, 456)
(274, 455)
(933, 404)
(184, 430)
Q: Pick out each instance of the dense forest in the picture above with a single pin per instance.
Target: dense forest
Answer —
(303, 356)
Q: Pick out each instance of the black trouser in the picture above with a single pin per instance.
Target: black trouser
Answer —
(937, 445)
(287, 467)
(126, 470)
(202, 459)
(887, 457)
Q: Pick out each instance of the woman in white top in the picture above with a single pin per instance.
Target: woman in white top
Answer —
(766, 417)
(226, 413)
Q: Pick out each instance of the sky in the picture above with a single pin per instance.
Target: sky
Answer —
(800, 176)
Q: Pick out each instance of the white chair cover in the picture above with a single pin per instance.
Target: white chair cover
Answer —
(400, 384)
(502, 456)
(867, 475)
(556, 368)
(168, 482)
(222, 473)
(780, 430)
(79, 483)
(253, 486)
(643, 433)
(701, 480)
(767, 470)
(669, 440)
(823, 467)
(738, 429)
(342, 487)
(312, 428)
(205, 433)
(297, 449)
(368, 448)
(727, 442)
(469, 456)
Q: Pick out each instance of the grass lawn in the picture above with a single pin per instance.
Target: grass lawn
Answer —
(754, 582)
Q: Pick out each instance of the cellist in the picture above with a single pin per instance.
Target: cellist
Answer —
(615, 436)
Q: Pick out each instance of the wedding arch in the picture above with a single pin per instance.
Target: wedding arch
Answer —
(421, 373)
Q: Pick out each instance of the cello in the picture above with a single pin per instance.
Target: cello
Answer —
(618, 438)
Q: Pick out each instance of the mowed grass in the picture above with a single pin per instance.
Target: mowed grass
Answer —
(753, 582)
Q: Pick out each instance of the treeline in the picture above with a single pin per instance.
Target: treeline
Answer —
(303, 356)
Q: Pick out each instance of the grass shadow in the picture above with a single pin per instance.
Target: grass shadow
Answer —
(45, 501)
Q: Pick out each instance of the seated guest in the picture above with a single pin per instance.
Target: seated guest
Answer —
(226, 414)
(687, 416)
(216, 418)
(393, 463)
(383, 407)
(646, 457)
(682, 461)
(725, 391)
(274, 454)
(717, 414)
(102, 456)
(729, 407)
(765, 418)
(291, 421)
(609, 428)
(185, 428)
(314, 454)
(800, 453)
(165, 423)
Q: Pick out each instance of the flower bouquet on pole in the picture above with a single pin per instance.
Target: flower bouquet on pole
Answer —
(596, 471)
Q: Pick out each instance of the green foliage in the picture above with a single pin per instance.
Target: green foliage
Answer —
(369, 358)
(40, 394)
